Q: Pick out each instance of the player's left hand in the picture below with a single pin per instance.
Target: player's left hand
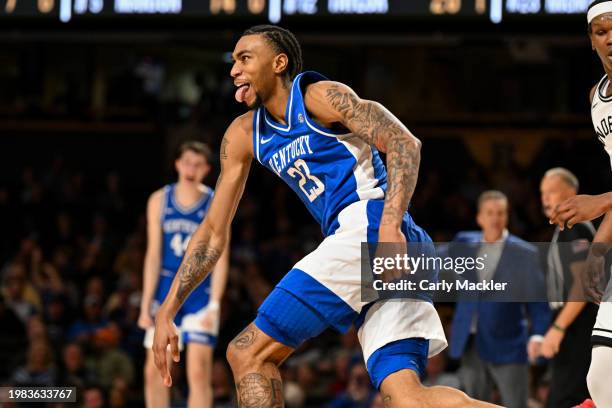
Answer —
(394, 244)
(552, 342)
(166, 333)
(577, 209)
(210, 319)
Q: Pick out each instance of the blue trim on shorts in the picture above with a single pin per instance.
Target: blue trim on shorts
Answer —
(361, 318)
(288, 319)
(325, 303)
(398, 355)
(200, 338)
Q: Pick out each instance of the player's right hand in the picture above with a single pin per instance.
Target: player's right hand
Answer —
(166, 334)
(578, 209)
(144, 320)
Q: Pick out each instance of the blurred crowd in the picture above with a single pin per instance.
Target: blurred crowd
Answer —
(71, 274)
(91, 123)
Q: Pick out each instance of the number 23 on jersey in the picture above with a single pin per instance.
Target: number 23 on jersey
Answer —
(300, 169)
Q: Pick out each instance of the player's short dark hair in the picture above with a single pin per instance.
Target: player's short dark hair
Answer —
(196, 147)
(490, 195)
(283, 41)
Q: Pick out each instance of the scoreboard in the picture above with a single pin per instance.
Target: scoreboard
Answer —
(275, 11)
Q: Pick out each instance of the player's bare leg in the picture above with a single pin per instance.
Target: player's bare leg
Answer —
(157, 395)
(199, 369)
(403, 389)
(598, 377)
(254, 358)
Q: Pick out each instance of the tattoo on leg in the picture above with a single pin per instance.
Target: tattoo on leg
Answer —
(245, 338)
(277, 394)
(254, 391)
(195, 267)
(387, 401)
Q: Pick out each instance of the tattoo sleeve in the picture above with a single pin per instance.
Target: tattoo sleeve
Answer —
(195, 267)
(377, 126)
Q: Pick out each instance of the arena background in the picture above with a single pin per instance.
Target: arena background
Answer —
(92, 109)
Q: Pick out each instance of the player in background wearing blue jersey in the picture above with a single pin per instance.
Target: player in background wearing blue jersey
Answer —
(173, 214)
(323, 141)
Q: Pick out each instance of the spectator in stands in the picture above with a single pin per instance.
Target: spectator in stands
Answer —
(44, 276)
(19, 296)
(359, 392)
(118, 395)
(84, 329)
(74, 371)
(36, 328)
(96, 287)
(57, 318)
(38, 370)
(108, 361)
(93, 397)
(12, 340)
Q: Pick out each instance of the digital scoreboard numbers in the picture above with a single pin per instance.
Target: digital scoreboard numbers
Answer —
(500, 8)
(275, 10)
(411, 8)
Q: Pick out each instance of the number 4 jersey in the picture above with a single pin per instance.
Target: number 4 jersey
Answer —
(178, 224)
(329, 169)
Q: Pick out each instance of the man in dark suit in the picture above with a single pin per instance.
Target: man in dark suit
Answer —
(494, 339)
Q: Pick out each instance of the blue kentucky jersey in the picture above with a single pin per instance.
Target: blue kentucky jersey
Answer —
(328, 169)
(178, 224)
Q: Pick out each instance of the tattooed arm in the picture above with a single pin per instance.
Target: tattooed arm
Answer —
(209, 240)
(332, 102)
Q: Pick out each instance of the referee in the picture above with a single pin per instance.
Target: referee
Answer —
(568, 340)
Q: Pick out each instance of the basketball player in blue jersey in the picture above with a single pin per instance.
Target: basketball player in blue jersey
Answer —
(323, 141)
(588, 207)
(173, 215)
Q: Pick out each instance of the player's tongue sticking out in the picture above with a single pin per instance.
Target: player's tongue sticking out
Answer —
(241, 93)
